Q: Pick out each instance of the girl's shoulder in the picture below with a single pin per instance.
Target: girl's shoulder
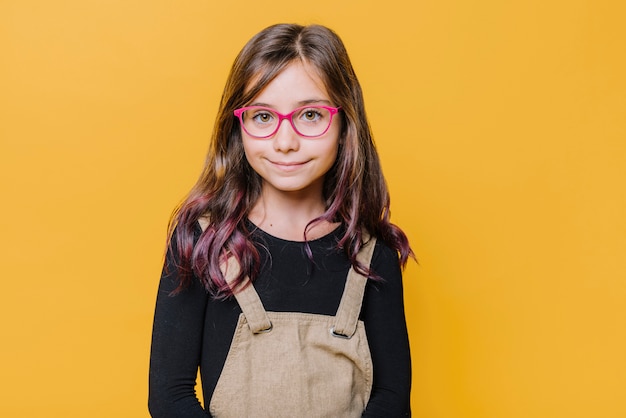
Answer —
(384, 254)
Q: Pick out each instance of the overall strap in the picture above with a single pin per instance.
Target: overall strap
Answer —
(247, 298)
(350, 306)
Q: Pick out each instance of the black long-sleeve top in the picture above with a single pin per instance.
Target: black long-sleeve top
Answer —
(192, 330)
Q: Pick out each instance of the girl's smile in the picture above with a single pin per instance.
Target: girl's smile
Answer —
(288, 166)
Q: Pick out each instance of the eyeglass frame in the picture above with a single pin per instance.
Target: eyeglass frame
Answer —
(289, 116)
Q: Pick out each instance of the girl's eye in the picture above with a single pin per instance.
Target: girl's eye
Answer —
(311, 115)
(262, 117)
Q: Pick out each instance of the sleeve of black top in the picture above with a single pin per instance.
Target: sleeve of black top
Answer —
(176, 347)
(385, 326)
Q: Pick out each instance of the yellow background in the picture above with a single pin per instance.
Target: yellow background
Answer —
(501, 127)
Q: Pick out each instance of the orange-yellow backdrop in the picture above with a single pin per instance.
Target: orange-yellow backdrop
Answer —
(501, 127)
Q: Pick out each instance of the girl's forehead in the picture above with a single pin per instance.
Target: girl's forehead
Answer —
(297, 76)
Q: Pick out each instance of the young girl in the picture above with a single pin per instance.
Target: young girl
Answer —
(282, 282)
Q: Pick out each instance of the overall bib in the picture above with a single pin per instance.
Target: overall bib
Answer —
(291, 364)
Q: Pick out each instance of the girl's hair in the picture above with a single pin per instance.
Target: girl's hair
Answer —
(354, 190)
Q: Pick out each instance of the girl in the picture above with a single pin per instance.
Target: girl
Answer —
(282, 282)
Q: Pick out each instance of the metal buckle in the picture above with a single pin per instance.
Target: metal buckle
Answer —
(266, 330)
(334, 334)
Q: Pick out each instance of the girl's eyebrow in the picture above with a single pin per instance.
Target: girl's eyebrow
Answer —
(312, 101)
(300, 103)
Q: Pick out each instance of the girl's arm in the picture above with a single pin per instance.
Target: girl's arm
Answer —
(176, 347)
(385, 326)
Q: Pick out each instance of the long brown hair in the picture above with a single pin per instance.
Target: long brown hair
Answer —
(354, 189)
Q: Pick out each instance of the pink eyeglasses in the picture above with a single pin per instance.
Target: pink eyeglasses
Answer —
(307, 121)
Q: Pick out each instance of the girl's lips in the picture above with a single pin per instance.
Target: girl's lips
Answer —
(288, 166)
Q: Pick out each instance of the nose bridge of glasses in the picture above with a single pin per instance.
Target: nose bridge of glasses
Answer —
(288, 117)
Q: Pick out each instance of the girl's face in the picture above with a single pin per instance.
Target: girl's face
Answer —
(286, 161)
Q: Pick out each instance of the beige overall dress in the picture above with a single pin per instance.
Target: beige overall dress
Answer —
(291, 364)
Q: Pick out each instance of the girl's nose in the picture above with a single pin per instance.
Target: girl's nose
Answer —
(286, 139)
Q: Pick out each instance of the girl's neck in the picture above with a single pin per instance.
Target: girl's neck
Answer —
(286, 215)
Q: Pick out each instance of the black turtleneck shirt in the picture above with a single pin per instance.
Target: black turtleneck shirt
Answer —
(192, 330)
